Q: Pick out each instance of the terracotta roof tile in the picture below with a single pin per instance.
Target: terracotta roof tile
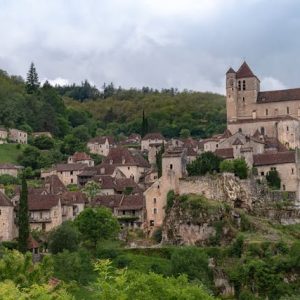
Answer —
(244, 71)
(78, 156)
(224, 153)
(279, 95)
(42, 202)
(73, 197)
(4, 200)
(273, 158)
(69, 167)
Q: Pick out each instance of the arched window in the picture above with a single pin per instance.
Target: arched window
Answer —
(239, 85)
(244, 85)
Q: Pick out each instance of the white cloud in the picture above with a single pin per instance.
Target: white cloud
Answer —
(56, 81)
(270, 83)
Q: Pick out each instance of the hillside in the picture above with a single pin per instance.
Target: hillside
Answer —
(203, 114)
(9, 153)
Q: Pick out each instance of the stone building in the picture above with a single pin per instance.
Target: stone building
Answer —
(101, 145)
(272, 113)
(17, 136)
(10, 169)
(7, 222)
(3, 135)
(81, 158)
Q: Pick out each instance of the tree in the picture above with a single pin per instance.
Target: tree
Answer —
(91, 189)
(273, 179)
(97, 224)
(185, 133)
(207, 162)
(43, 142)
(240, 168)
(158, 158)
(32, 81)
(23, 218)
(144, 129)
(227, 166)
(65, 237)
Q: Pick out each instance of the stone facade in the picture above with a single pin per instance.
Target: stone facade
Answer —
(17, 136)
(7, 225)
(101, 145)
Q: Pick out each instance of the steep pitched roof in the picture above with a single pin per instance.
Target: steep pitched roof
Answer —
(4, 200)
(274, 158)
(230, 70)
(102, 140)
(54, 185)
(42, 202)
(153, 136)
(237, 141)
(73, 197)
(279, 95)
(78, 156)
(227, 133)
(244, 71)
(69, 167)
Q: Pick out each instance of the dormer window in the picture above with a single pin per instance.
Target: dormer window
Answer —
(239, 85)
(244, 85)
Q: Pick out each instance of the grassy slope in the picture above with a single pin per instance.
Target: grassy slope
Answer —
(9, 153)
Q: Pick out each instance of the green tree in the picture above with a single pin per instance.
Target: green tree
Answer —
(207, 162)
(23, 218)
(96, 224)
(240, 168)
(227, 166)
(32, 81)
(144, 129)
(158, 158)
(43, 142)
(91, 189)
(65, 237)
(273, 179)
(184, 133)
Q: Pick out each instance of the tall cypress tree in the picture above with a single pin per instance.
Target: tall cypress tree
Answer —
(144, 129)
(159, 155)
(23, 218)
(32, 81)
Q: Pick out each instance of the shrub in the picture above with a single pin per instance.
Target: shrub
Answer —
(236, 248)
(157, 235)
(240, 168)
(170, 200)
(273, 179)
(8, 179)
(227, 166)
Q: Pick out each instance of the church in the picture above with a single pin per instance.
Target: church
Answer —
(272, 113)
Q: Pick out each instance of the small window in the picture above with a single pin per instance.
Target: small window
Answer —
(124, 212)
(239, 85)
(128, 168)
(292, 170)
(71, 172)
(154, 200)
(240, 129)
(155, 211)
(262, 130)
(0, 212)
(267, 112)
(273, 168)
(283, 187)
(262, 173)
(287, 128)
(244, 100)
(288, 110)
(217, 145)
(158, 187)
(244, 85)
(151, 222)
(71, 180)
(171, 167)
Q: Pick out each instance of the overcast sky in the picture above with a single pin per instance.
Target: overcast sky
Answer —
(158, 43)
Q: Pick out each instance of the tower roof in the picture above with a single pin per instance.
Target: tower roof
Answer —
(244, 71)
(230, 70)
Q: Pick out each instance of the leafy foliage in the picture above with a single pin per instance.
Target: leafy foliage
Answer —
(273, 179)
(207, 162)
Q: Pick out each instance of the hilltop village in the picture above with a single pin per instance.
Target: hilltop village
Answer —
(136, 174)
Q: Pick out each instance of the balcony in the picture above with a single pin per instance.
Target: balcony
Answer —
(40, 220)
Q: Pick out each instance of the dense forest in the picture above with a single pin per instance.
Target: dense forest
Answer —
(113, 111)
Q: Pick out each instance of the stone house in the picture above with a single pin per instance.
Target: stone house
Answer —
(17, 136)
(131, 164)
(7, 219)
(152, 139)
(10, 169)
(72, 204)
(101, 145)
(286, 165)
(67, 173)
(3, 135)
(129, 209)
(45, 212)
(81, 158)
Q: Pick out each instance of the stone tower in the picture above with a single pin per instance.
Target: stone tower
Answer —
(242, 88)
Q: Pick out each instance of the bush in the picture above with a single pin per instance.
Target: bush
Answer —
(157, 235)
(240, 168)
(65, 237)
(273, 179)
(236, 248)
(207, 162)
(122, 261)
(8, 179)
(170, 200)
(227, 166)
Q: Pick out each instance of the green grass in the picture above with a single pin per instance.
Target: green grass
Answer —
(9, 153)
